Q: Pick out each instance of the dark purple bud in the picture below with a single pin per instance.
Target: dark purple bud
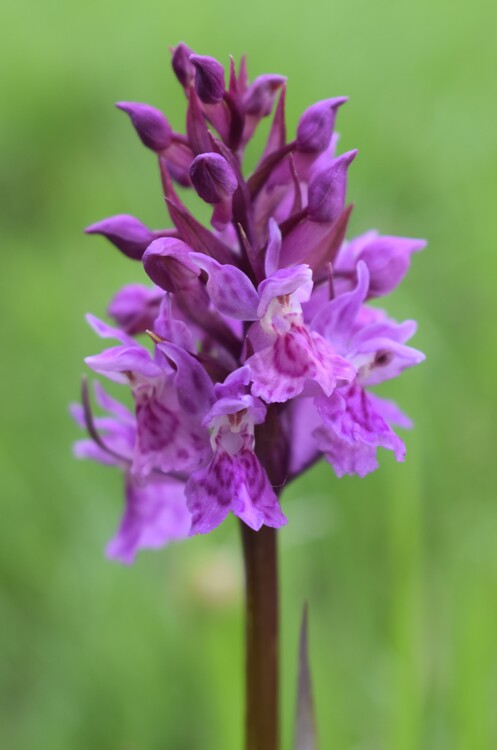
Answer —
(183, 68)
(212, 177)
(328, 189)
(316, 125)
(260, 96)
(209, 78)
(128, 234)
(167, 262)
(150, 124)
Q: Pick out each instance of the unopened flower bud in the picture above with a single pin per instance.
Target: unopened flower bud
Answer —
(328, 189)
(128, 234)
(183, 68)
(212, 177)
(260, 96)
(151, 125)
(316, 125)
(167, 262)
(209, 78)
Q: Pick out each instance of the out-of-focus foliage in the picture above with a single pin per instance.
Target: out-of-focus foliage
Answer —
(400, 569)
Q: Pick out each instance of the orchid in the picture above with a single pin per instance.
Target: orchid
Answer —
(266, 308)
(252, 351)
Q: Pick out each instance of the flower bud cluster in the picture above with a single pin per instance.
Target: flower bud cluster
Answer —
(252, 351)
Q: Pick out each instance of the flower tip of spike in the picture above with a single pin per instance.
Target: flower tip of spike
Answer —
(209, 78)
(151, 125)
(260, 96)
(317, 123)
(183, 68)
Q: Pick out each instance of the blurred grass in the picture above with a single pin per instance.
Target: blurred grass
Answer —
(400, 569)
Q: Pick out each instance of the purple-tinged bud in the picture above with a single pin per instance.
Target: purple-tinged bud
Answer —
(128, 234)
(316, 125)
(328, 189)
(152, 127)
(212, 177)
(209, 78)
(167, 262)
(183, 68)
(260, 96)
(388, 260)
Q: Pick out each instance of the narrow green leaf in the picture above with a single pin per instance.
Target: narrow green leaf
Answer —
(305, 722)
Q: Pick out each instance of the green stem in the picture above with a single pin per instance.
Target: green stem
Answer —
(261, 579)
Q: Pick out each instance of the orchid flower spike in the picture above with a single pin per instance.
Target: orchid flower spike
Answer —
(263, 349)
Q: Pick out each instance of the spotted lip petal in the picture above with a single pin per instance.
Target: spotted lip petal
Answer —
(155, 514)
(155, 509)
(352, 431)
(296, 359)
(236, 484)
(168, 438)
(170, 402)
(390, 412)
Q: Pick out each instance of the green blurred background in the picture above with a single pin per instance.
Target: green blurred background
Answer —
(400, 569)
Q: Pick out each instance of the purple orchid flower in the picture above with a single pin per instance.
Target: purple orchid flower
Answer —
(263, 345)
(155, 510)
(355, 422)
(234, 479)
(171, 391)
(287, 355)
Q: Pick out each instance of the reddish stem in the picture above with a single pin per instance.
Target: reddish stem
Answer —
(262, 699)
